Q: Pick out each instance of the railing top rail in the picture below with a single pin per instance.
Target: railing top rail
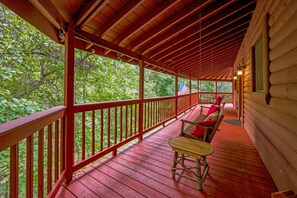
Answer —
(110, 104)
(14, 131)
(103, 105)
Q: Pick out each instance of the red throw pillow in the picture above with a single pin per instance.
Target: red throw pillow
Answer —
(218, 100)
(212, 108)
(199, 131)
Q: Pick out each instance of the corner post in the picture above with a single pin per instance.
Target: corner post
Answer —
(69, 101)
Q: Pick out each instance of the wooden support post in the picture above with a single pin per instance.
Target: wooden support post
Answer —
(69, 101)
(198, 90)
(190, 92)
(176, 94)
(141, 97)
(216, 89)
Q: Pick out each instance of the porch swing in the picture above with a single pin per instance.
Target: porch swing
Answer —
(194, 140)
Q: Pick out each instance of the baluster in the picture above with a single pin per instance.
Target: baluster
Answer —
(131, 111)
(14, 169)
(83, 138)
(101, 132)
(121, 124)
(29, 167)
(40, 163)
(93, 132)
(108, 127)
(56, 150)
(49, 158)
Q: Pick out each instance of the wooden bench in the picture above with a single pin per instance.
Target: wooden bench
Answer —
(209, 132)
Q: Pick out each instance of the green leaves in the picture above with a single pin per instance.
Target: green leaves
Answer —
(16, 108)
(100, 79)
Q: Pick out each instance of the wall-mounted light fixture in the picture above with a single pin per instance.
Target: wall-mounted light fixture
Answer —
(241, 67)
(239, 72)
(235, 77)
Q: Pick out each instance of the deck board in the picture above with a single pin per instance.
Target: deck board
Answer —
(143, 169)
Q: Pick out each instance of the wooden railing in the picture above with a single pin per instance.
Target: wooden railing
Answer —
(36, 143)
(157, 111)
(183, 103)
(194, 99)
(36, 166)
(101, 128)
(206, 97)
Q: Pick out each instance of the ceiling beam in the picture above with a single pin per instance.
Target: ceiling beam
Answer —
(50, 12)
(85, 11)
(205, 56)
(34, 16)
(196, 51)
(209, 42)
(145, 20)
(207, 36)
(89, 12)
(196, 56)
(212, 24)
(82, 35)
(184, 25)
(125, 11)
(217, 59)
(202, 59)
(172, 20)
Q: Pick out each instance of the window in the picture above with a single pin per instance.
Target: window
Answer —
(258, 80)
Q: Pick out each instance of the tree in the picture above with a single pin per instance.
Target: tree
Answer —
(31, 72)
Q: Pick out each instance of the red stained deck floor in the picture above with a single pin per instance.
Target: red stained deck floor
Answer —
(143, 169)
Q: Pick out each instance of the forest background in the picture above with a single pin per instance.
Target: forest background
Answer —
(32, 80)
(32, 73)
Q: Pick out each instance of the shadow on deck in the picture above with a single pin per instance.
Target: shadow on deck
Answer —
(143, 169)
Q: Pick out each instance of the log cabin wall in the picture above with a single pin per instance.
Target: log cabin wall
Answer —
(273, 127)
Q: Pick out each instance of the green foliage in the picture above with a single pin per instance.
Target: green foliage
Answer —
(158, 84)
(207, 86)
(194, 86)
(16, 108)
(32, 79)
(100, 79)
(31, 72)
(224, 86)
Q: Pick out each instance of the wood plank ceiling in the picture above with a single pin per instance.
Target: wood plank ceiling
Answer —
(197, 38)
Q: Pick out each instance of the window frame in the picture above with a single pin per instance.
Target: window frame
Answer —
(255, 65)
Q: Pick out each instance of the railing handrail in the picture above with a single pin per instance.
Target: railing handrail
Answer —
(103, 105)
(209, 92)
(109, 104)
(14, 131)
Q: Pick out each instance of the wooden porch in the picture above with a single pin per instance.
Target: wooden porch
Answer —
(143, 169)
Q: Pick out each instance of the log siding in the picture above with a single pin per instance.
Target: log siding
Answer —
(273, 127)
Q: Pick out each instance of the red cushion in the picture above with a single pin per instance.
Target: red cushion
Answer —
(212, 108)
(218, 100)
(199, 131)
